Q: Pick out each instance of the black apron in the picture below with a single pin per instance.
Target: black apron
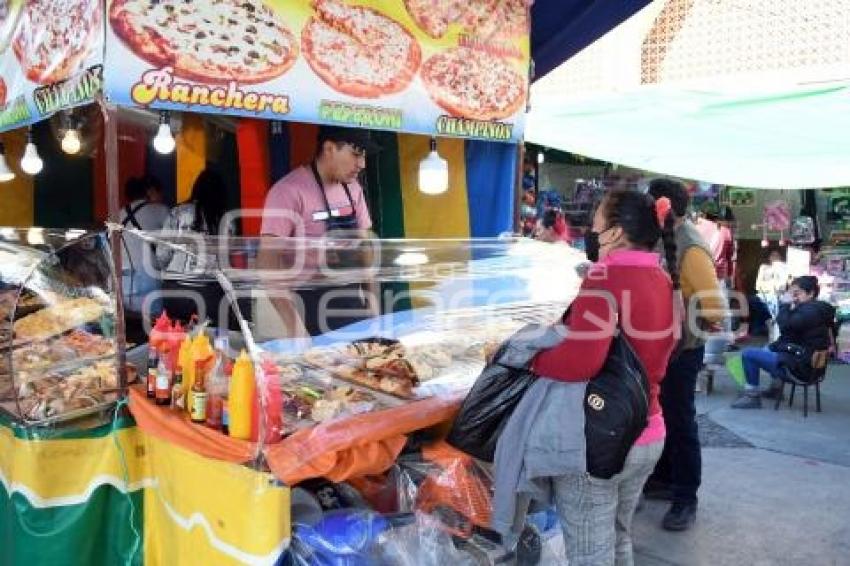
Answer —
(353, 299)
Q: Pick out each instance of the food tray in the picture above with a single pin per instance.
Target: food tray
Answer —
(302, 399)
(61, 395)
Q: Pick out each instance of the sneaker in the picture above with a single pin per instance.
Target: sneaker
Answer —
(749, 400)
(680, 517)
(529, 549)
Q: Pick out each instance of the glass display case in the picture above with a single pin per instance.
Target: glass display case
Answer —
(58, 344)
(346, 326)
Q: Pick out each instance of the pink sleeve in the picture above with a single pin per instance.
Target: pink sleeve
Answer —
(279, 211)
(364, 221)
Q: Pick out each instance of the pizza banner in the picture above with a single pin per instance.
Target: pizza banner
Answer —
(448, 67)
(51, 57)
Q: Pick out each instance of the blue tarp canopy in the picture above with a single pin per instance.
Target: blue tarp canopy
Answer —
(562, 28)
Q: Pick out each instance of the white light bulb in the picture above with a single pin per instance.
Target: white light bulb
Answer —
(31, 163)
(433, 173)
(6, 174)
(541, 158)
(35, 236)
(410, 259)
(164, 141)
(71, 143)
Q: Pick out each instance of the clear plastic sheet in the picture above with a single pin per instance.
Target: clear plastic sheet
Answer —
(358, 342)
(59, 345)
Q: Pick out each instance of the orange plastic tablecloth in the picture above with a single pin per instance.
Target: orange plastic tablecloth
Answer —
(337, 450)
(358, 445)
(175, 427)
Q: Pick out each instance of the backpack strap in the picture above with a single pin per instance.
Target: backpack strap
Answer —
(131, 215)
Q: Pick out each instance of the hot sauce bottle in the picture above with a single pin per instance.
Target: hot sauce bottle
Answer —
(178, 402)
(198, 395)
(153, 362)
(163, 381)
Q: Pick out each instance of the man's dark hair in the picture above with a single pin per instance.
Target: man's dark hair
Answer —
(150, 182)
(808, 283)
(673, 190)
(134, 189)
(550, 216)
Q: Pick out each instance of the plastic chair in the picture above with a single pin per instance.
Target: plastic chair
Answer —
(819, 360)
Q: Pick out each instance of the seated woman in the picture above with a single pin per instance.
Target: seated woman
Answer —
(804, 326)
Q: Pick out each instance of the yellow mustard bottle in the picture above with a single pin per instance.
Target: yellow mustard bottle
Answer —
(184, 358)
(241, 397)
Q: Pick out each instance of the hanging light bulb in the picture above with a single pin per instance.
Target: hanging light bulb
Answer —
(765, 243)
(541, 157)
(71, 143)
(164, 142)
(6, 174)
(31, 162)
(433, 172)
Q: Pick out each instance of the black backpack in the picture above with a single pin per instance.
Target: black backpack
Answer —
(616, 406)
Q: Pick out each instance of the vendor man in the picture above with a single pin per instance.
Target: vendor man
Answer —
(309, 202)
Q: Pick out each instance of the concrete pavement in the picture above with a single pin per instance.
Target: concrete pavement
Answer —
(776, 486)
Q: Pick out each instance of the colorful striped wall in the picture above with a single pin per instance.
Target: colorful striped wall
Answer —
(71, 191)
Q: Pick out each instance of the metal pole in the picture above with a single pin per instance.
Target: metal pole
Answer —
(113, 196)
(519, 192)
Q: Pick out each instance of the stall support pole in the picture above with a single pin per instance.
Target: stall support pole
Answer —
(113, 197)
(518, 192)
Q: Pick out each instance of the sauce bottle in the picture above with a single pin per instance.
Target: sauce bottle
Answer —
(184, 361)
(178, 399)
(216, 386)
(153, 362)
(160, 332)
(163, 380)
(198, 395)
(241, 397)
(201, 351)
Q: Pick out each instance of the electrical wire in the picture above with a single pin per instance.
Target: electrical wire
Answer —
(137, 538)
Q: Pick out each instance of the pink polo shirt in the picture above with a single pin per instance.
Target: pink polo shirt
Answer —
(297, 198)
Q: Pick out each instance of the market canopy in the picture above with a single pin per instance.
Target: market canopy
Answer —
(562, 28)
(726, 93)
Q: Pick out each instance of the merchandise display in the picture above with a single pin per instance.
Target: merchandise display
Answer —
(58, 355)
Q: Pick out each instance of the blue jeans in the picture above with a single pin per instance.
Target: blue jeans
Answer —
(756, 359)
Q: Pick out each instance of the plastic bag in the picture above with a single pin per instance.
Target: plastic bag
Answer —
(498, 390)
(424, 542)
(345, 537)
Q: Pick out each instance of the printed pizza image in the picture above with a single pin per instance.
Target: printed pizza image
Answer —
(359, 51)
(213, 41)
(54, 38)
(502, 19)
(472, 83)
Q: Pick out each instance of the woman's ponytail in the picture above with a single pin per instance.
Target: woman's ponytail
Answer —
(668, 238)
(667, 224)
